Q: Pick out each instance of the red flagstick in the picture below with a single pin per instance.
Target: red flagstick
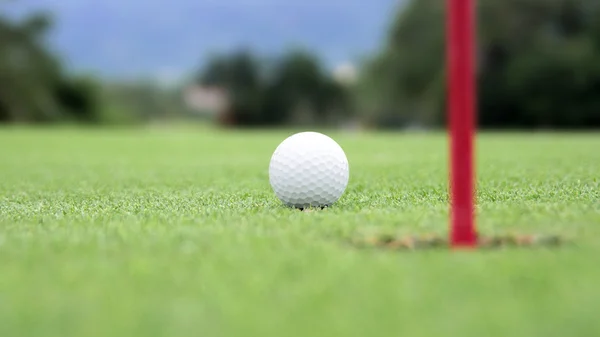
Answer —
(461, 110)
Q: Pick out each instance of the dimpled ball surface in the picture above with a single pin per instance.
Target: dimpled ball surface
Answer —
(309, 169)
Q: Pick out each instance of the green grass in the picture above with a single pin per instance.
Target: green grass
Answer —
(166, 233)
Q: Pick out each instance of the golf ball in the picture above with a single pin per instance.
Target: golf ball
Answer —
(309, 169)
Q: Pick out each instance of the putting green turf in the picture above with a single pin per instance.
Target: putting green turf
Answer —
(177, 233)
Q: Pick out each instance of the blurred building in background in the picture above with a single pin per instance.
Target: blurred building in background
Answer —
(207, 101)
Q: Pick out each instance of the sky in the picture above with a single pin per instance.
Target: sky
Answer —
(165, 39)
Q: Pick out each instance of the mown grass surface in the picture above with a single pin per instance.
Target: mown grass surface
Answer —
(177, 233)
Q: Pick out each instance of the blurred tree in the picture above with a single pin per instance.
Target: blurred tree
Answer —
(300, 91)
(535, 64)
(397, 83)
(33, 86)
(292, 89)
(240, 75)
(79, 99)
(27, 71)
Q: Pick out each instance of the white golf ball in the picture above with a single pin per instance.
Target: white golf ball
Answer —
(309, 169)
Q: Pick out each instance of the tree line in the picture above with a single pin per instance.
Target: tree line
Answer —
(537, 68)
(35, 88)
(537, 65)
(292, 89)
